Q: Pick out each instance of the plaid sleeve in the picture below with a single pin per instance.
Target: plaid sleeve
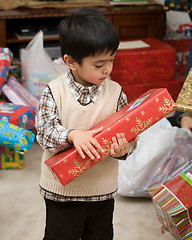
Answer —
(122, 102)
(51, 135)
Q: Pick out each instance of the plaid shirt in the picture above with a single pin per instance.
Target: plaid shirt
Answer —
(52, 136)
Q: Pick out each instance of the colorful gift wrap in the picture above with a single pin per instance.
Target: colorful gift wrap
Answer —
(15, 137)
(131, 120)
(184, 100)
(18, 94)
(10, 159)
(151, 60)
(173, 204)
(5, 62)
(21, 116)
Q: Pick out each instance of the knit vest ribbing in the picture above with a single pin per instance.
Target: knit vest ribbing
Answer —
(102, 178)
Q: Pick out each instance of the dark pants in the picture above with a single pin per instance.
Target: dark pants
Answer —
(79, 220)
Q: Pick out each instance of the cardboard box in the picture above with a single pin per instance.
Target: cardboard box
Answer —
(184, 100)
(144, 61)
(173, 204)
(131, 120)
(10, 159)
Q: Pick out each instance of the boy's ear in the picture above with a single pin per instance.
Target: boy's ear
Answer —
(71, 63)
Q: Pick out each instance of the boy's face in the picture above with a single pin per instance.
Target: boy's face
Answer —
(94, 69)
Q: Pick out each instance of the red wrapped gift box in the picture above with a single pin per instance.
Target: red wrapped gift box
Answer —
(173, 204)
(155, 63)
(135, 90)
(131, 120)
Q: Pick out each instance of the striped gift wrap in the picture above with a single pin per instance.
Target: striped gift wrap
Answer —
(173, 205)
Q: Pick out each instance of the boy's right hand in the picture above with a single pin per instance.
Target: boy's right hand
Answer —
(85, 143)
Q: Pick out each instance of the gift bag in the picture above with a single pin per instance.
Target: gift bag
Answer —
(162, 153)
(37, 67)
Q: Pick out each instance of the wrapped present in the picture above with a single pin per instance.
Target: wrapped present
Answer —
(18, 94)
(132, 91)
(21, 116)
(184, 100)
(10, 159)
(173, 204)
(5, 62)
(144, 61)
(131, 120)
(15, 137)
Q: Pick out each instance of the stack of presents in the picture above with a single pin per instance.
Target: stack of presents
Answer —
(145, 64)
(17, 116)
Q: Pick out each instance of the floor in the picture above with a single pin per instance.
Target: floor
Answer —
(22, 211)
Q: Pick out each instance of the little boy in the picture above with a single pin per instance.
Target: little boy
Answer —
(69, 107)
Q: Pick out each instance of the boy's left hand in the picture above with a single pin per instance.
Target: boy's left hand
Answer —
(120, 146)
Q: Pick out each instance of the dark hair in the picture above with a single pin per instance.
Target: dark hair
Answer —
(85, 33)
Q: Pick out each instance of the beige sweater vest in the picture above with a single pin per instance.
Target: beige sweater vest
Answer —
(103, 177)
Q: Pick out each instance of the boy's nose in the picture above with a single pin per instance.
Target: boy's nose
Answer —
(107, 69)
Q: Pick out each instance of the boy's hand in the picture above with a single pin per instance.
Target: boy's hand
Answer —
(120, 146)
(186, 122)
(84, 142)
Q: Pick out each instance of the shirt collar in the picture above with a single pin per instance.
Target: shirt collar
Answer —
(81, 93)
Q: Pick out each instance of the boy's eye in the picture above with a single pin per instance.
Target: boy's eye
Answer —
(99, 66)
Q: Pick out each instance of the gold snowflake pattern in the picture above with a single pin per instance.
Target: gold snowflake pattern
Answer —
(167, 107)
(81, 167)
(141, 125)
(142, 113)
(106, 147)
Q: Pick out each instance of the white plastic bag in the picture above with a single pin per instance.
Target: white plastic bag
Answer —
(37, 67)
(162, 153)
